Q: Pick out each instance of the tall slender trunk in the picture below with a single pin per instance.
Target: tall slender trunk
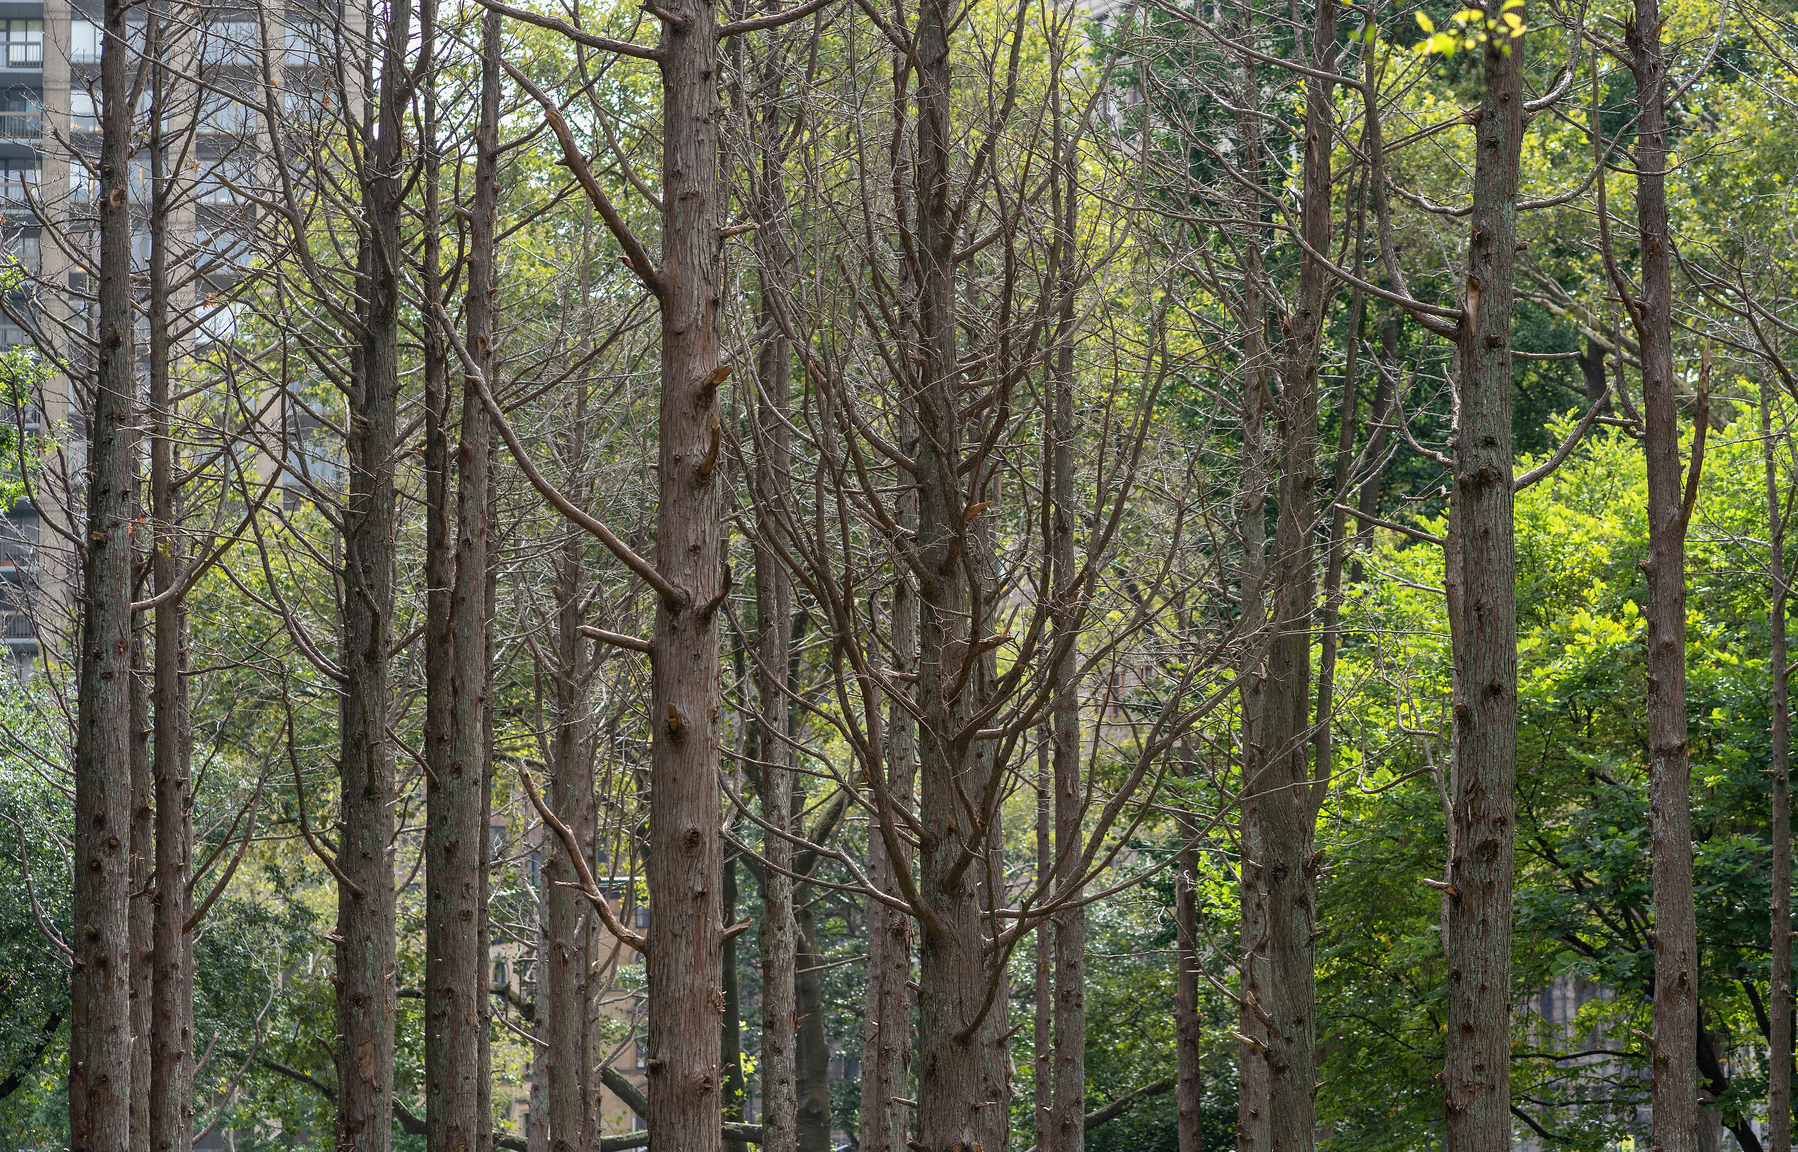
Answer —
(143, 880)
(455, 833)
(1068, 1129)
(1043, 1021)
(1253, 1106)
(100, 1082)
(1285, 810)
(886, 1030)
(730, 1053)
(1779, 992)
(774, 611)
(365, 905)
(812, 1082)
(1476, 907)
(1675, 1034)
(568, 943)
(1188, 1030)
(684, 855)
(962, 1095)
(171, 1087)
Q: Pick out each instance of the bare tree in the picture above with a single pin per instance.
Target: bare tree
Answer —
(100, 1058)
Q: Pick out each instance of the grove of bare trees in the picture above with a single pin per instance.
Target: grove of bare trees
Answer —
(831, 574)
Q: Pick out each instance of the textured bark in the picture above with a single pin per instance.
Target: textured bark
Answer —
(774, 611)
(812, 1082)
(886, 1031)
(170, 1089)
(1779, 993)
(456, 978)
(1476, 908)
(1675, 1034)
(569, 939)
(1043, 1020)
(143, 873)
(1068, 1130)
(730, 1052)
(1253, 1108)
(684, 853)
(1285, 810)
(962, 1091)
(365, 905)
(1188, 1031)
(100, 1085)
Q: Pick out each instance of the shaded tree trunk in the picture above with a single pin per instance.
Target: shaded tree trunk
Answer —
(365, 904)
(1285, 809)
(774, 611)
(886, 1031)
(1476, 907)
(1675, 1033)
(170, 1088)
(962, 1090)
(100, 1057)
(813, 1048)
(1068, 1129)
(731, 1040)
(1188, 1031)
(456, 978)
(1779, 995)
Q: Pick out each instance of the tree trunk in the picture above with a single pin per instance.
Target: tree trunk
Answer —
(1779, 994)
(1043, 1022)
(1188, 1031)
(961, 1096)
(1253, 1105)
(886, 1032)
(456, 978)
(774, 611)
(1476, 907)
(171, 1078)
(143, 879)
(1285, 809)
(568, 944)
(1068, 1129)
(684, 855)
(100, 1084)
(1675, 1074)
(813, 1048)
(730, 1055)
(365, 905)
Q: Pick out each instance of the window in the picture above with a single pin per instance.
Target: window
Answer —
(84, 42)
(219, 113)
(230, 42)
(21, 120)
(82, 181)
(224, 180)
(24, 246)
(305, 43)
(219, 323)
(24, 43)
(18, 179)
(84, 111)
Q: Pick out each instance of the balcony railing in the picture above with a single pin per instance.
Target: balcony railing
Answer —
(21, 126)
(25, 55)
